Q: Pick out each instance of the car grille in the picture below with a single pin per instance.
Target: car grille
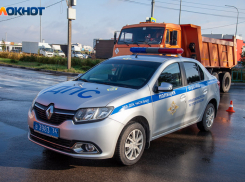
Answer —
(60, 144)
(58, 117)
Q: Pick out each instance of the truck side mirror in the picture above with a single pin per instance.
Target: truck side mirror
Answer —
(115, 37)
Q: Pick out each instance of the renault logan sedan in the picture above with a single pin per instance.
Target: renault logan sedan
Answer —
(118, 107)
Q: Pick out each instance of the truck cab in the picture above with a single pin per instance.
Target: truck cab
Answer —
(46, 51)
(76, 52)
(147, 34)
(58, 51)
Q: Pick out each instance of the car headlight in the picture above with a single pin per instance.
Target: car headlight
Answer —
(33, 103)
(32, 107)
(90, 114)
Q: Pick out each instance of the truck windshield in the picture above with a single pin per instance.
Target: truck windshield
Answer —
(122, 73)
(141, 35)
(49, 50)
(77, 52)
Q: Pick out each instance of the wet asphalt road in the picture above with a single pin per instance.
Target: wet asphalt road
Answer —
(186, 155)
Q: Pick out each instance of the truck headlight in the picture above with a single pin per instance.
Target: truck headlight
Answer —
(91, 114)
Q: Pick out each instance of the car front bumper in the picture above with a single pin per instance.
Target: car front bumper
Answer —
(103, 135)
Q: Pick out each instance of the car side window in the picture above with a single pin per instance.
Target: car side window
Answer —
(193, 72)
(171, 74)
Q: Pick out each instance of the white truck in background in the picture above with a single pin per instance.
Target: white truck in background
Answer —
(76, 52)
(33, 48)
(58, 51)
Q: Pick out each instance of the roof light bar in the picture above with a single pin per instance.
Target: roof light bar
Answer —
(156, 50)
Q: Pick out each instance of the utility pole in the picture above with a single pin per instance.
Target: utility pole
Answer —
(71, 15)
(152, 8)
(69, 40)
(180, 11)
(237, 16)
(40, 24)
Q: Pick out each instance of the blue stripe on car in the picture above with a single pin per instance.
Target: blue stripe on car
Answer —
(163, 95)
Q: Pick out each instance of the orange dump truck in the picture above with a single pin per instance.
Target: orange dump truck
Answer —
(218, 56)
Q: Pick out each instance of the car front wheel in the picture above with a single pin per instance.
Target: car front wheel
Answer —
(131, 144)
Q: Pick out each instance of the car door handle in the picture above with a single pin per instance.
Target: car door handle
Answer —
(182, 97)
(205, 91)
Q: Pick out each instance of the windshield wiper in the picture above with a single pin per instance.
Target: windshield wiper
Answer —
(136, 43)
(126, 43)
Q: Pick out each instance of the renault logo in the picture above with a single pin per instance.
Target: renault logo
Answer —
(49, 112)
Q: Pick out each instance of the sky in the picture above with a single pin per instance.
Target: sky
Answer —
(100, 18)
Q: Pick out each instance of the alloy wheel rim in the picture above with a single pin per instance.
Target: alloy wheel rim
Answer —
(133, 144)
(210, 116)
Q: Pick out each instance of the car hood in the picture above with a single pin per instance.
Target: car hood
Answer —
(73, 95)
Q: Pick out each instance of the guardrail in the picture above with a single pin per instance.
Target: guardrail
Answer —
(238, 75)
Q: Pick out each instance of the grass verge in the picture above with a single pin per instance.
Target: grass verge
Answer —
(37, 65)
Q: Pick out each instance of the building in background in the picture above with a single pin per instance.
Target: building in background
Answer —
(87, 48)
(10, 46)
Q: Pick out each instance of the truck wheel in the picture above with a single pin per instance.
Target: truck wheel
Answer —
(216, 75)
(225, 81)
(131, 144)
(207, 119)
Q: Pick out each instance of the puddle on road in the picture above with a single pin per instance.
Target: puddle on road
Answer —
(7, 132)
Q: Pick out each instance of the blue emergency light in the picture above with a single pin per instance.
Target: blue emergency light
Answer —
(156, 50)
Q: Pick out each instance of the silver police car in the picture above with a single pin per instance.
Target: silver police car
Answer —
(118, 107)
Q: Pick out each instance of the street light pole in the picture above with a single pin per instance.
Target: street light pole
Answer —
(180, 11)
(152, 8)
(40, 25)
(237, 16)
(69, 39)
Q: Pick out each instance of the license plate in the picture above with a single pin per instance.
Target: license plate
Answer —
(46, 130)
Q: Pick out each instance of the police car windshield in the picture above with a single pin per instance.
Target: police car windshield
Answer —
(141, 35)
(122, 73)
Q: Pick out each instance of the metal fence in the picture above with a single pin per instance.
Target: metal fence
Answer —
(238, 75)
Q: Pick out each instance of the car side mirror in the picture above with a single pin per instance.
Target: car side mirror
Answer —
(115, 37)
(165, 87)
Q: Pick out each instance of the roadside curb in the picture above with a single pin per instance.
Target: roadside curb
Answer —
(36, 69)
(239, 84)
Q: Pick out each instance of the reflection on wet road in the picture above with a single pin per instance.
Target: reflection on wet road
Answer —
(186, 155)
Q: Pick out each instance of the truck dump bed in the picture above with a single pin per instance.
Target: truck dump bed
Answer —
(212, 53)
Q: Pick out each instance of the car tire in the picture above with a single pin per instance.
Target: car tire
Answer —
(225, 82)
(129, 149)
(207, 119)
